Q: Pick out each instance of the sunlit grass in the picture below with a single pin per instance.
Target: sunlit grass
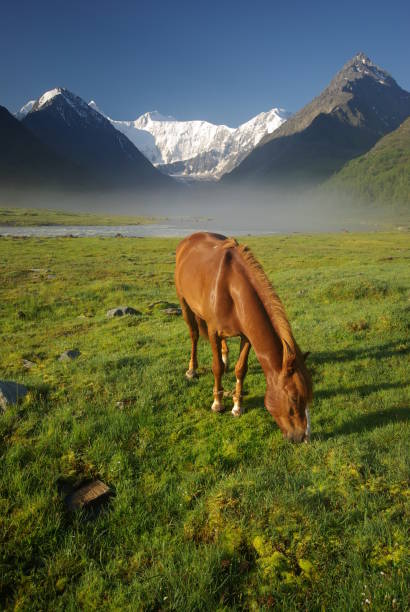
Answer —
(209, 512)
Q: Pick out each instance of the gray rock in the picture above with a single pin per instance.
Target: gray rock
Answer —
(173, 311)
(10, 393)
(69, 355)
(120, 311)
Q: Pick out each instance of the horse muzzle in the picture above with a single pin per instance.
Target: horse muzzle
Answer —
(293, 436)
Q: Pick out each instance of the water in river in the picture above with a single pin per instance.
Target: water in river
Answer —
(177, 228)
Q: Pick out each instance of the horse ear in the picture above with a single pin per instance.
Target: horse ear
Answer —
(289, 357)
(306, 355)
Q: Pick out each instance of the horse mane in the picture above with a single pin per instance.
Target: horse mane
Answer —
(276, 313)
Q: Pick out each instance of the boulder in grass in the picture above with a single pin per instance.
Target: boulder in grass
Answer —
(120, 311)
(88, 495)
(69, 355)
(10, 393)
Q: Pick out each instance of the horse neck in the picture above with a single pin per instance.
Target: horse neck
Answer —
(267, 345)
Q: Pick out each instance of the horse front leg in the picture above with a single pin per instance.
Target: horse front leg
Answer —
(218, 370)
(241, 369)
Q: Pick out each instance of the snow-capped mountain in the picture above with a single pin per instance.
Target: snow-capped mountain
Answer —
(196, 150)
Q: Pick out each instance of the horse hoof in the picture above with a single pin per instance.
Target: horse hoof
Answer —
(217, 407)
(190, 374)
(237, 411)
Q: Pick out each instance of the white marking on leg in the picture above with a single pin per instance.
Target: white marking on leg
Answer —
(217, 407)
(237, 410)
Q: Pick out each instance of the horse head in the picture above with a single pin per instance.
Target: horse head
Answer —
(287, 398)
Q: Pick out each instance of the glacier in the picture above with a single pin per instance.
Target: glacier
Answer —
(196, 150)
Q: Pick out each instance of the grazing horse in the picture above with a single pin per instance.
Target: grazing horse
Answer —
(223, 293)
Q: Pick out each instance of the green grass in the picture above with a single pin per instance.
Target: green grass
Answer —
(12, 216)
(210, 512)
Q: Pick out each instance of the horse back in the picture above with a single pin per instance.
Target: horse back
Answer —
(203, 278)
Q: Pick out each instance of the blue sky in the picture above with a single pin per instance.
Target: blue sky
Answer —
(224, 61)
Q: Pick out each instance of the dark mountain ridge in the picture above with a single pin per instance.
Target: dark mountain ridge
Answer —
(26, 162)
(72, 129)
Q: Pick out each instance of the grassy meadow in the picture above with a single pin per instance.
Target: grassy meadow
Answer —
(210, 512)
(12, 216)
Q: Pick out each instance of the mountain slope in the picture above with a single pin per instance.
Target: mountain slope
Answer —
(66, 124)
(26, 162)
(382, 175)
(196, 149)
(361, 104)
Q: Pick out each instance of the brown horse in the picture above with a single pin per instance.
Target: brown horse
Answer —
(224, 293)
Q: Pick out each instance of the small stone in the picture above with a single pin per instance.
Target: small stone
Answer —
(173, 311)
(69, 355)
(88, 495)
(121, 404)
(10, 393)
(120, 311)
(27, 364)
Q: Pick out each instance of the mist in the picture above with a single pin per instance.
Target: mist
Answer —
(214, 207)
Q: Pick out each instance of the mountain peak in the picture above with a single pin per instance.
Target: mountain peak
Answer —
(361, 66)
(362, 58)
(49, 95)
(157, 116)
(64, 102)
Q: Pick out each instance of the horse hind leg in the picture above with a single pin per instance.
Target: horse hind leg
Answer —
(194, 333)
(225, 354)
(218, 370)
(241, 369)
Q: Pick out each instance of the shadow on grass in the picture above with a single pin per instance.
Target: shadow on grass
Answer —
(369, 422)
(381, 351)
(362, 391)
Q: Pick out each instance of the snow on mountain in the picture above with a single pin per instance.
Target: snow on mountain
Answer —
(196, 149)
(24, 110)
(62, 98)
